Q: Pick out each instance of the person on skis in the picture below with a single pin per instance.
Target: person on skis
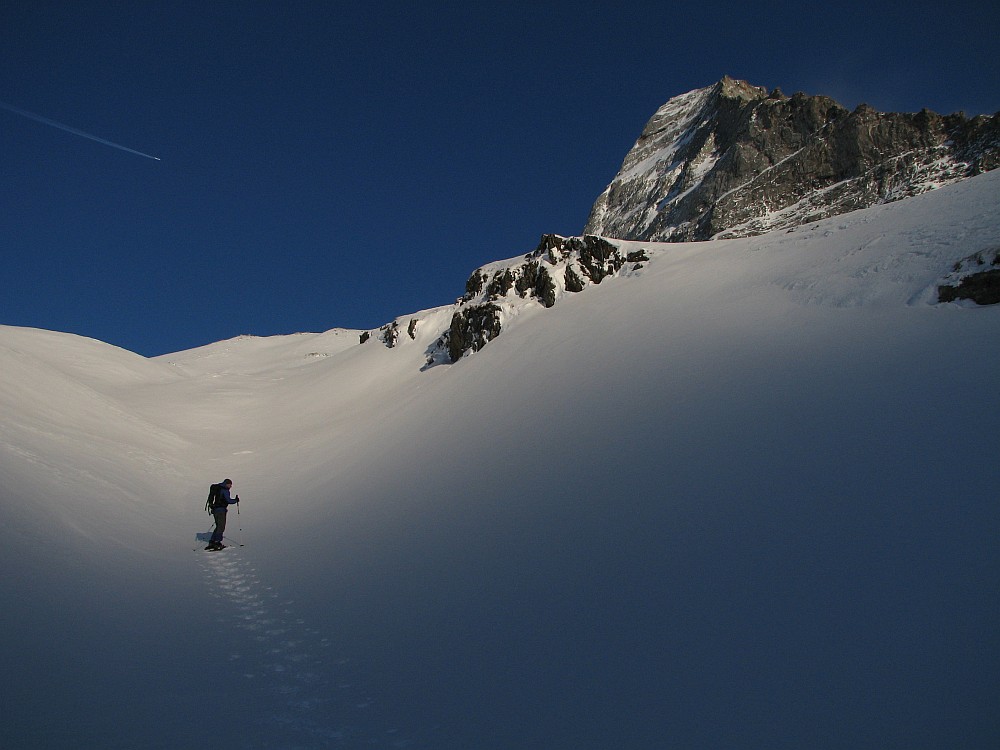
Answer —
(219, 505)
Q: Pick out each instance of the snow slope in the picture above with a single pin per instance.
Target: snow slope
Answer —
(745, 497)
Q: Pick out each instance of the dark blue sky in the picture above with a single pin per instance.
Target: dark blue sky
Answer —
(329, 164)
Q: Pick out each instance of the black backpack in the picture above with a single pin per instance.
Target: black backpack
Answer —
(214, 498)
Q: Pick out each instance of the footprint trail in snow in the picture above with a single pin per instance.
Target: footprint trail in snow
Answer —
(292, 664)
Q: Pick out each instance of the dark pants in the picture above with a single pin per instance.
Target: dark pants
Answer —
(220, 524)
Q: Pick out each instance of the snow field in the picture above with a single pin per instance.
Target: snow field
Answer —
(743, 498)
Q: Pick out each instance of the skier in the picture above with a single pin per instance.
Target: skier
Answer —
(220, 505)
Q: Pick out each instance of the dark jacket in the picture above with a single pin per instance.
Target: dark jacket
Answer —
(224, 500)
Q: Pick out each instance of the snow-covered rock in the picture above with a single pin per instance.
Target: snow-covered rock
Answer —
(734, 160)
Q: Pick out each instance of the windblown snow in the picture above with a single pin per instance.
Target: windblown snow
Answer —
(744, 496)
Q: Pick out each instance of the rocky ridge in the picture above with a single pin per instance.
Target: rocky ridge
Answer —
(735, 160)
(731, 160)
(495, 292)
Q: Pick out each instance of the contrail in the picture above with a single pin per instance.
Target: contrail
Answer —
(74, 131)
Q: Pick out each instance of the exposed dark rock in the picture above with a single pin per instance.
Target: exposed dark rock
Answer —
(535, 280)
(474, 285)
(577, 261)
(501, 283)
(598, 257)
(390, 334)
(980, 286)
(573, 281)
(551, 247)
(594, 256)
(472, 328)
(983, 288)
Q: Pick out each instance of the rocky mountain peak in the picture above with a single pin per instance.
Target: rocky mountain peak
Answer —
(733, 89)
(735, 160)
(729, 160)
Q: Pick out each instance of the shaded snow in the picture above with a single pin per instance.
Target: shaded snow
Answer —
(742, 498)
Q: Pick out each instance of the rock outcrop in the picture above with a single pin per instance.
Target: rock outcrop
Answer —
(558, 266)
(976, 278)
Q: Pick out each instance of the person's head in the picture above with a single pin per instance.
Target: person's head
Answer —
(227, 483)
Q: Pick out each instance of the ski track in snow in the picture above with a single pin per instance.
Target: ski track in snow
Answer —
(291, 664)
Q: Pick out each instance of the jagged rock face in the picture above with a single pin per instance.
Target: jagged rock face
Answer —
(559, 265)
(472, 328)
(733, 160)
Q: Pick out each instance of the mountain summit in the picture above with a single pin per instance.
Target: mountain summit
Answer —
(735, 160)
